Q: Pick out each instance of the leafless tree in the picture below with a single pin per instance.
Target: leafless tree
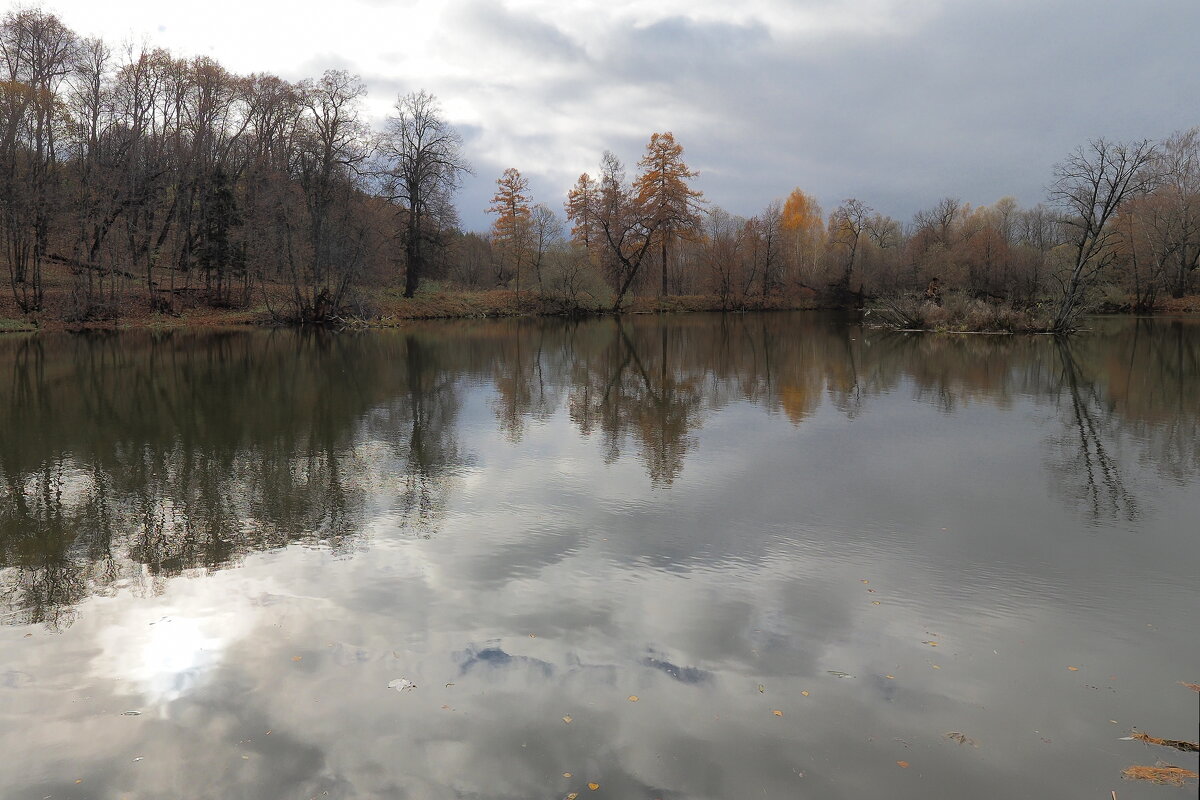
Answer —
(421, 159)
(1091, 185)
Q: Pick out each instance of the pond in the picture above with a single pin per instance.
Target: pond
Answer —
(705, 556)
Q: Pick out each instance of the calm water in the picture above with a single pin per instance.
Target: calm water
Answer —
(245, 537)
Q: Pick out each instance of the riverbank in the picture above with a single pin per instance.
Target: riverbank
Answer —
(133, 309)
(385, 308)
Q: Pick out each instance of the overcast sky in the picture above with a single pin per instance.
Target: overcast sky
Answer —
(896, 102)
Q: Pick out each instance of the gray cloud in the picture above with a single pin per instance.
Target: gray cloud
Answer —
(978, 101)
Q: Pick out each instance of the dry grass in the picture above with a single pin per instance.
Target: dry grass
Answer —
(129, 306)
(1180, 305)
(957, 314)
(1164, 774)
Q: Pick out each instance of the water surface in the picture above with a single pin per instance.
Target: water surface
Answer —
(245, 537)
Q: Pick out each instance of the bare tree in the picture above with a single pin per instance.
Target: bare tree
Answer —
(847, 224)
(421, 157)
(37, 53)
(1091, 185)
(627, 226)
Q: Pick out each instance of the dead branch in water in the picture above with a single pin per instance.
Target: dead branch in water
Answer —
(1187, 747)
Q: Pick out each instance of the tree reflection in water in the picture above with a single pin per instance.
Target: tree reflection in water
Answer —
(127, 459)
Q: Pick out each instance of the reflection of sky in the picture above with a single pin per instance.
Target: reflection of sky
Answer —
(557, 585)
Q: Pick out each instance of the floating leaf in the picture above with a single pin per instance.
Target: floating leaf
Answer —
(572, 795)
(533, 636)
(131, 713)
(890, 677)
(839, 673)
(935, 666)
(874, 602)
(567, 719)
(804, 693)
(777, 712)
(930, 643)
(960, 737)
(593, 786)
(864, 580)
(401, 684)
(761, 688)
(902, 764)
(1073, 669)
(297, 658)
(566, 774)
(633, 698)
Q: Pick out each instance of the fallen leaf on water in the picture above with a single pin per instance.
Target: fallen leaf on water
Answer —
(139, 758)
(874, 602)
(865, 580)
(804, 693)
(871, 591)
(890, 677)
(401, 684)
(80, 780)
(1195, 687)
(839, 674)
(297, 658)
(930, 643)
(761, 688)
(28, 636)
(1073, 669)
(567, 719)
(902, 764)
(633, 698)
(566, 774)
(131, 713)
(960, 737)
(533, 636)
(777, 712)
(935, 666)
(448, 685)
(593, 786)
(572, 795)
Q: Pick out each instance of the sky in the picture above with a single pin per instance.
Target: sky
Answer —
(898, 103)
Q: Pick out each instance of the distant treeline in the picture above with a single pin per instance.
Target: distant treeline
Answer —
(129, 177)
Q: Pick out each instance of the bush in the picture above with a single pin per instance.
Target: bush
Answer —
(957, 313)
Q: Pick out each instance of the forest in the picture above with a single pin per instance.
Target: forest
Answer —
(134, 183)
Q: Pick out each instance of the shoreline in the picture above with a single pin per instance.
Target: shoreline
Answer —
(394, 312)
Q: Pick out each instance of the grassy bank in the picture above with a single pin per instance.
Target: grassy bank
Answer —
(132, 308)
